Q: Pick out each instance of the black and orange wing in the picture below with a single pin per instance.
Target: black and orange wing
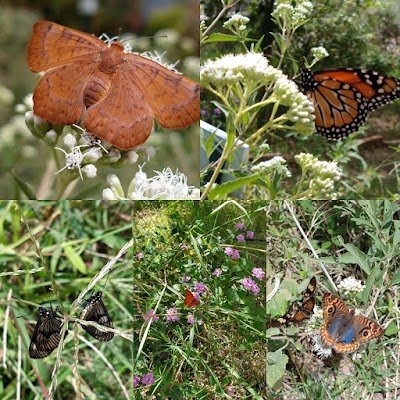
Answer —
(343, 98)
(298, 313)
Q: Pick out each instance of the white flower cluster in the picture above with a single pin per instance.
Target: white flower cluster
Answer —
(301, 109)
(233, 68)
(236, 21)
(276, 164)
(319, 53)
(294, 15)
(164, 186)
(324, 174)
(351, 285)
(83, 152)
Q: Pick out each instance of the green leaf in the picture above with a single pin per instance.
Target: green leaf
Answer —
(258, 44)
(355, 256)
(221, 37)
(224, 189)
(276, 367)
(396, 279)
(277, 306)
(391, 330)
(23, 186)
(396, 235)
(75, 259)
(209, 144)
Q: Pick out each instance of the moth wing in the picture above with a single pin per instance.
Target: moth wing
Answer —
(96, 311)
(174, 99)
(58, 96)
(46, 335)
(123, 117)
(52, 45)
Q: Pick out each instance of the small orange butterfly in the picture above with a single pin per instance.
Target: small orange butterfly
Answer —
(190, 300)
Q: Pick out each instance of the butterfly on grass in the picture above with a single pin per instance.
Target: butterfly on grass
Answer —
(302, 311)
(96, 311)
(46, 335)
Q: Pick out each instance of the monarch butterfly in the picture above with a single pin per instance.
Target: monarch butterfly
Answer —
(343, 98)
(46, 335)
(96, 311)
(190, 300)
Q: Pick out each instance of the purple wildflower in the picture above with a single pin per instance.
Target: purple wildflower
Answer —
(149, 316)
(136, 380)
(240, 226)
(148, 379)
(234, 254)
(217, 272)
(200, 287)
(217, 111)
(240, 238)
(190, 319)
(172, 314)
(258, 273)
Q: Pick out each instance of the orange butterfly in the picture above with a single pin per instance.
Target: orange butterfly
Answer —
(117, 94)
(190, 300)
(298, 313)
(343, 98)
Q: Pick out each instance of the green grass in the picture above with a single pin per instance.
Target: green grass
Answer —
(358, 239)
(225, 352)
(224, 356)
(75, 241)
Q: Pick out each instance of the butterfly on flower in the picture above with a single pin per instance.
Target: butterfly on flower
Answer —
(190, 300)
(46, 335)
(342, 330)
(343, 98)
(96, 311)
(302, 311)
(116, 93)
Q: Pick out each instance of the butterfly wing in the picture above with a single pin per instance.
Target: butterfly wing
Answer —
(366, 329)
(337, 330)
(46, 335)
(343, 98)
(343, 330)
(174, 99)
(190, 300)
(59, 94)
(309, 296)
(122, 117)
(300, 313)
(54, 45)
(96, 311)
